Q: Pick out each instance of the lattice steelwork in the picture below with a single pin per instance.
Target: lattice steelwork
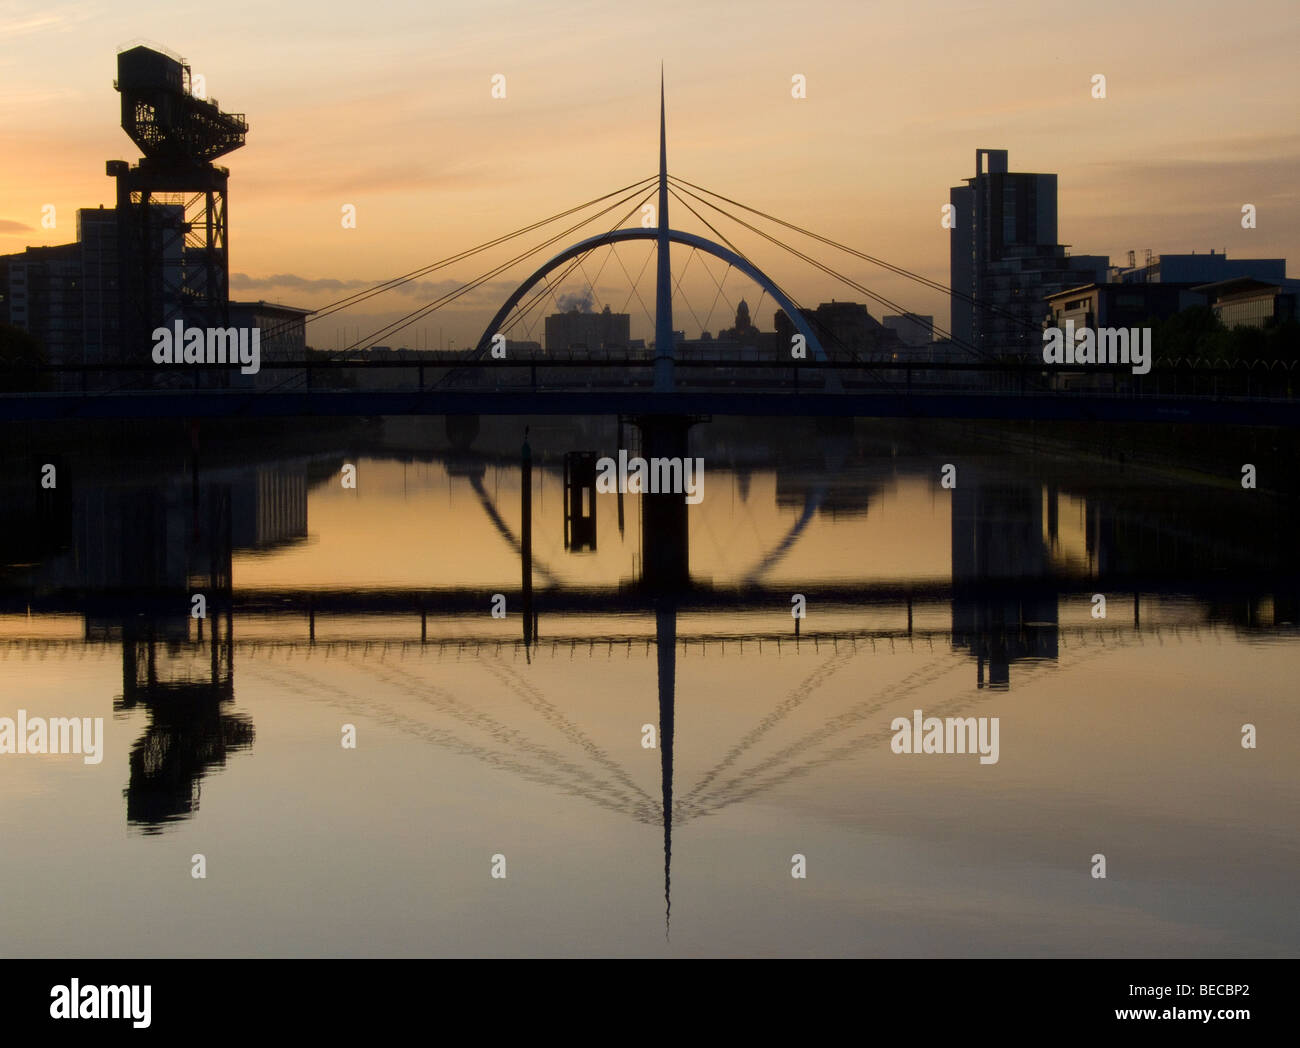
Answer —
(173, 244)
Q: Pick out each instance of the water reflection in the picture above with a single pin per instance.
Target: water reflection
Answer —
(997, 534)
(191, 727)
(1007, 589)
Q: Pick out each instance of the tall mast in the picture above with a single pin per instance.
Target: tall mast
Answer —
(664, 353)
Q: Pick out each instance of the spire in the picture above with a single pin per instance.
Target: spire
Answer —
(663, 155)
(664, 285)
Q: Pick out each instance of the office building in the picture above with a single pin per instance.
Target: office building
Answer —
(1247, 302)
(588, 331)
(912, 329)
(1005, 259)
(1199, 269)
(1121, 305)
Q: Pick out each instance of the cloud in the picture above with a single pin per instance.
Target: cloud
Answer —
(24, 19)
(10, 226)
(425, 290)
(243, 282)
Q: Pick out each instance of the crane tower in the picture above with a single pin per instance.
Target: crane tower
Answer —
(172, 233)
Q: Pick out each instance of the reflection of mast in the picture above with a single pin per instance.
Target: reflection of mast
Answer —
(666, 641)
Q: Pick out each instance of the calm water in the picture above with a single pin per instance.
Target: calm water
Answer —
(371, 607)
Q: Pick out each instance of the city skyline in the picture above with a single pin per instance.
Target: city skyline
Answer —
(877, 184)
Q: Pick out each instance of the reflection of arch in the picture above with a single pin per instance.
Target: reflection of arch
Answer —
(503, 529)
(678, 237)
(811, 505)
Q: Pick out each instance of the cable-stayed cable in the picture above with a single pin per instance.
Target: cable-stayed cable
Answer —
(432, 267)
(405, 321)
(830, 271)
(935, 285)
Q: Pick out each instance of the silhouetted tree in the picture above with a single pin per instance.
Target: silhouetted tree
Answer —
(21, 357)
(1197, 332)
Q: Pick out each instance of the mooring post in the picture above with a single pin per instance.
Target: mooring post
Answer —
(526, 528)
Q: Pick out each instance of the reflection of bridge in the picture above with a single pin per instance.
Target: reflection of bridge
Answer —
(186, 739)
(627, 645)
(700, 596)
(1004, 602)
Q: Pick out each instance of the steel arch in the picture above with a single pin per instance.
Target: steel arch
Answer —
(677, 236)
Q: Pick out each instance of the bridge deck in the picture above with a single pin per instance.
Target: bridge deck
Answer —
(849, 404)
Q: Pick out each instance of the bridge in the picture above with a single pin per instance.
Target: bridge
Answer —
(819, 379)
(549, 386)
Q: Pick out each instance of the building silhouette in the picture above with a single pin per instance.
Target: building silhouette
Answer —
(1120, 305)
(160, 255)
(1005, 259)
(1198, 269)
(1247, 302)
(587, 330)
(847, 331)
(912, 329)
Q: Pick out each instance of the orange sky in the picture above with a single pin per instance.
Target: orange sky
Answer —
(387, 106)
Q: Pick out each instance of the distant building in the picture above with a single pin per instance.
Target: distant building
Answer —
(1120, 305)
(43, 298)
(268, 506)
(1247, 302)
(1005, 259)
(97, 235)
(282, 335)
(67, 296)
(588, 331)
(850, 326)
(1200, 269)
(912, 329)
(745, 332)
(283, 328)
(846, 331)
(846, 328)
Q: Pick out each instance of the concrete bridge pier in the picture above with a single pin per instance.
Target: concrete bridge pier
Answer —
(665, 534)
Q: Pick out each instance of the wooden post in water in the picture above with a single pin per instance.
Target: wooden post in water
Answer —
(526, 529)
(620, 487)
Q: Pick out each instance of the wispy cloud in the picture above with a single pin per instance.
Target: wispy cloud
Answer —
(10, 227)
(426, 290)
(244, 282)
(20, 19)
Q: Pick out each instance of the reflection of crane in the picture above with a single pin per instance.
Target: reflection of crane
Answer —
(192, 727)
